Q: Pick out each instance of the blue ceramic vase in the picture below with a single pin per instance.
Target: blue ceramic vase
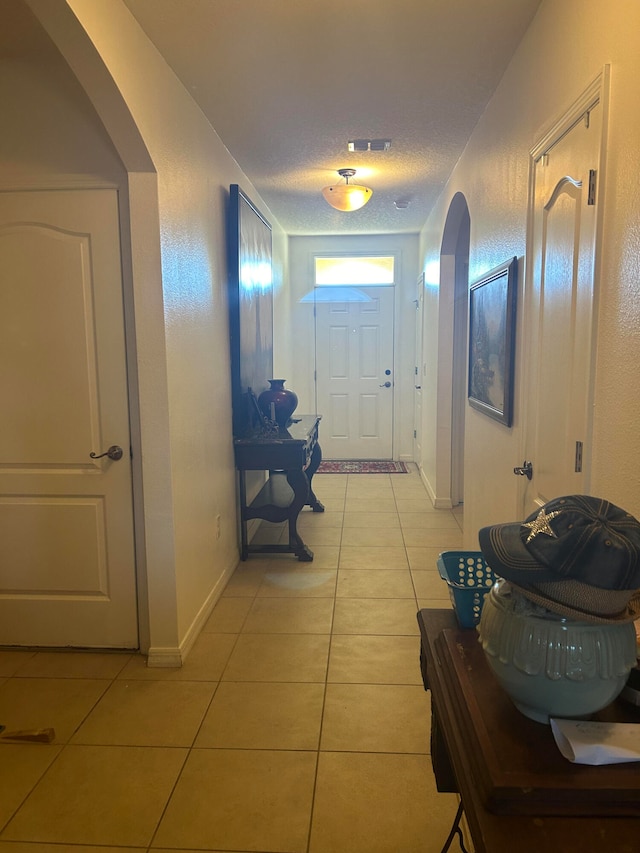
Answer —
(551, 666)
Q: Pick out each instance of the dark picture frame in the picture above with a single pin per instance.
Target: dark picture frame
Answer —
(492, 319)
(250, 307)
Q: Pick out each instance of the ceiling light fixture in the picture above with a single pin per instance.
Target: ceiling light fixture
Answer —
(347, 196)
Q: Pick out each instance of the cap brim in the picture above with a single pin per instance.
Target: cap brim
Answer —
(629, 614)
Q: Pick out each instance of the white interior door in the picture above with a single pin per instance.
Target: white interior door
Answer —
(560, 310)
(67, 572)
(354, 375)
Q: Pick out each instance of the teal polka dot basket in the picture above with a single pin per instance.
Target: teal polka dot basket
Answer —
(469, 579)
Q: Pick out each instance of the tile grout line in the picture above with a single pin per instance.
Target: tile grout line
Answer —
(326, 682)
(242, 624)
(190, 749)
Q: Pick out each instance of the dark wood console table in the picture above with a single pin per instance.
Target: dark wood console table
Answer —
(292, 458)
(517, 791)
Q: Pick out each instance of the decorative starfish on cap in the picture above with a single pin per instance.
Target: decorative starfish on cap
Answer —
(540, 524)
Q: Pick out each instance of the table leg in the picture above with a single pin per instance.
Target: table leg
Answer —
(314, 464)
(244, 542)
(300, 485)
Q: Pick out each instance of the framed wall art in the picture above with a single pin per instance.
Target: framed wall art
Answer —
(492, 318)
(250, 306)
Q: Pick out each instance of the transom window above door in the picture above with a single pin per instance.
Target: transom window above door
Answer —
(354, 270)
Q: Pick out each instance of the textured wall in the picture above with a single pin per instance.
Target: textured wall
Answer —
(565, 48)
(181, 319)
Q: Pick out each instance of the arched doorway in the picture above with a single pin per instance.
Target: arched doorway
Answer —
(454, 288)
(140, 244)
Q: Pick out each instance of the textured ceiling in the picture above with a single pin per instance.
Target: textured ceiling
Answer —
(286, 84)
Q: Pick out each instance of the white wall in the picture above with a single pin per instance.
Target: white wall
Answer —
(51, 135)
(178, 279)
(294, 335)
(567, 45)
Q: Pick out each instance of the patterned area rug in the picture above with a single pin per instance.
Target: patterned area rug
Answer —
(366, 466)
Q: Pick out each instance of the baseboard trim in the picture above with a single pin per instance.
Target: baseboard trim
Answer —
(438, 503)
(168, 657)
(160, 656)
(426, 483)
(442, 503)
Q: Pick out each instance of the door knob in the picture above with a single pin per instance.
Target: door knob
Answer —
(114, 452)
(525, 471)
(385, 385)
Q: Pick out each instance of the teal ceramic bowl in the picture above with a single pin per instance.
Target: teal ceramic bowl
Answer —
(551, 666)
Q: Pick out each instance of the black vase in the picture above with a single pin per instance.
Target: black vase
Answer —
(278, 403)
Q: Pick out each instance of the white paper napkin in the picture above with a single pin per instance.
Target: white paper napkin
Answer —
(585, 742)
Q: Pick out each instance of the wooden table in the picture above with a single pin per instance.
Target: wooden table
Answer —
(291, 457)
(518, 792)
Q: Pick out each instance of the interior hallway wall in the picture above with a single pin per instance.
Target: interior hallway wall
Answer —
(179, 279)
(566, 47)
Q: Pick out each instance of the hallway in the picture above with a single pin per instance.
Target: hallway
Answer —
(298, 723)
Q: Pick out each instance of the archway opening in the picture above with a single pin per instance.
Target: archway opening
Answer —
(454, 287)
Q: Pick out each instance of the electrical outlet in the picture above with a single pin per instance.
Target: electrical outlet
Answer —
(218, 526)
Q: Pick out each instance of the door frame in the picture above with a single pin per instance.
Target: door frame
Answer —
(135, 432)
(452, 359)
(391, 291)
(598, 91)
(396, 328)
(418, 370)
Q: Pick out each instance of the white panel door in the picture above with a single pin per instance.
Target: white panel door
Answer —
(67, 572)
(354, 375)
(561, 313)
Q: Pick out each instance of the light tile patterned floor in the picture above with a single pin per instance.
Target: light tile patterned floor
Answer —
(298, 724)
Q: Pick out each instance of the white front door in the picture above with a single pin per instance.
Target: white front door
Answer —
(67, 571)
(560, 312)
(354, 375)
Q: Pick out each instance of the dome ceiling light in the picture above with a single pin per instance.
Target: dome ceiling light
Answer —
(347, 197)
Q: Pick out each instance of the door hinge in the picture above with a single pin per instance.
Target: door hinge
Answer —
(415, 434)
(578, 465)
(591, 196)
